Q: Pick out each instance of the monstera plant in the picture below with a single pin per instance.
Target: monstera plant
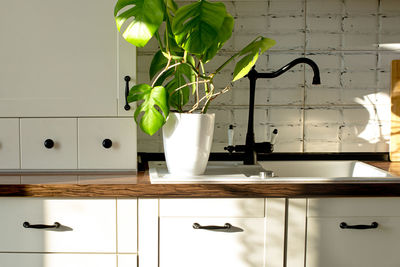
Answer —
(188, 38)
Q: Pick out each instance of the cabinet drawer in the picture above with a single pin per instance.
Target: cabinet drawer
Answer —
(330, 246)
(87, 225)
(49, 143)
(57, 260)
(181, 245)
(9, 144)
(213, 207)
(340, 207)
(107, 143)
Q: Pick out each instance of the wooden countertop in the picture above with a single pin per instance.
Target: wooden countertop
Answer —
(140, 186)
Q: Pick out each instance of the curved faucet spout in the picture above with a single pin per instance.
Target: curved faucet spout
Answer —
(250, 156)
(313, 65)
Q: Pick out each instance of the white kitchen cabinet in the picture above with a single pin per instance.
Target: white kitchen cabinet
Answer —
(49, 143)
(86, 225)
(93, 232)
(246, 242)
(241, 245)
(62, 59)
(107, 143)
(9, 144)
(58, 260)
(322, 242)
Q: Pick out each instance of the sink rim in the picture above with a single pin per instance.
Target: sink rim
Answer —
(154, 178)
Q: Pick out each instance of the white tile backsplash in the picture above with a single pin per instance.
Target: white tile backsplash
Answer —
(348, 112)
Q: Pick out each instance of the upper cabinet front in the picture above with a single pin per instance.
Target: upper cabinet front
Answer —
(62, 58)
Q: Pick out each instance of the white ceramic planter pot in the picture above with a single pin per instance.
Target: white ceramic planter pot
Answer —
(187, 142)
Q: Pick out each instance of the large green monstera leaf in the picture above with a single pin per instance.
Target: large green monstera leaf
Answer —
(250, 55)
(146, 15)
(196, 26)
(155, 107)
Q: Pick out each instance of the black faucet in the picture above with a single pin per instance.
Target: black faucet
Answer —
(251, 148)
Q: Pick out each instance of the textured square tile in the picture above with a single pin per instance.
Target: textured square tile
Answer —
(324, 41)
(283, 96)
(331, 61)
(286, 7)
(322, 115)
(361, 6)
(389, 6)
(10, 179)
(249, 9)
(287, 146)
(324, 24)
(285, 116)
(356, 115)
(287, 41)
(389, 39)
(286, 23)
(360, 61)
(154, 145)
(361, 24)
(251, 25)
(389, 23)
(321, 132)
(359, 79)
(322, 147)
(277, 60)
(323, 96)
(317, 7)
(355, 146)
(358, 96)
(360, 41)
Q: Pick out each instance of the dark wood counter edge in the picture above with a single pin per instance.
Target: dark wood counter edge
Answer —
(144, 189)
(203, 190)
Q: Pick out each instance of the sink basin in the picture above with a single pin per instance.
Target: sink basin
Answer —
(277, 172)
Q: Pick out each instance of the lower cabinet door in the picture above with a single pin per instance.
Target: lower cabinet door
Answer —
(329, 245)
(195, 242)
(57, 225)
(57, 260)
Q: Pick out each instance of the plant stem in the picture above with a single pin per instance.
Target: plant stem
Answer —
(187, 84)
(159, 40)
(164, 70)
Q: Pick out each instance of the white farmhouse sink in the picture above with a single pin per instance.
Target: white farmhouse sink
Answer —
(277, 172)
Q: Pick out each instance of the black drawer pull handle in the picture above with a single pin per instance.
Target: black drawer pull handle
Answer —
(107, 143)
(212, 227)
(48, 143)
(127, 79)
(344, 225)
(41, 226)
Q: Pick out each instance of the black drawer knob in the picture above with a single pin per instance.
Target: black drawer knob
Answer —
(48, 143)
(107, 143)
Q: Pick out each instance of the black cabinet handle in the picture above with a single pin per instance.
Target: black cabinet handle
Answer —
(41, 226)
(48, 143)
(127, 79)
(212, 227)
(344, 225)
(107, 143)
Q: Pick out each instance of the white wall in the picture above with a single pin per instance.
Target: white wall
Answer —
(349, 112)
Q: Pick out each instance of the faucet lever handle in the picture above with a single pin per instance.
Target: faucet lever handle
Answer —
(273, 136)
(231, 133)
